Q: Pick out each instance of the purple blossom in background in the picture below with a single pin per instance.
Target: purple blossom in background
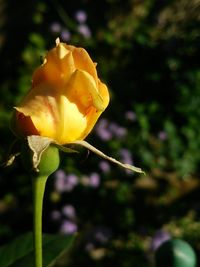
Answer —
(162, 135)
(106, 130)
(102, 235)
(84, 30)
(126, 156)
(55, 215)
(103, 131)
(94, 179)
(55, 27)
(117, 130)
(68, 227)
(65, 35)
(81, 16)
(60, 178)
(72, 179)
(130, 115)
(65, 183)
(69, 211)
(158, 239)
(104, 166)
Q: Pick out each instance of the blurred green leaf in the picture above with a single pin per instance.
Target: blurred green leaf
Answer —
(20, 252)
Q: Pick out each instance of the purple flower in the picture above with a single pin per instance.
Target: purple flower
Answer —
(84, 30)
(60, 179)
(126, 156)
(72, 179)
(94, 179)
(103, 131)
(81, 16)
(65, 183)
(69, 211)
(55, 27)
(162, 135)
(117, 130)
(65, 35)
(158, 239)
(104, 166)
(68, 227)
(130, 115)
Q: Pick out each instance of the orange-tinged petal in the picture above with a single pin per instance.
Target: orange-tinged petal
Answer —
(66, 97)
(83, 61)
(93, 114)
(83, 91)
(103, 90)
(24, 125)
(58, 66)
(41, 106)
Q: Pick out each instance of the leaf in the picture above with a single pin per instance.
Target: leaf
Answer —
(20, 252)
(101, 154)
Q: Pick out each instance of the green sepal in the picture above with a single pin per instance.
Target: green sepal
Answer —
(40, 156)
(49, 161)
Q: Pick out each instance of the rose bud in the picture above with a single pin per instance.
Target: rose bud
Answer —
(66, 97)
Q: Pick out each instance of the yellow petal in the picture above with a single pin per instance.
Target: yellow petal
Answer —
(83, 91)
(93, 114)
(41, 106)
(103, 90)
(73, 121)
(83, 61)
(58, 67)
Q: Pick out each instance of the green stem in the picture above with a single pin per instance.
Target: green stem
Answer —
(39, 183)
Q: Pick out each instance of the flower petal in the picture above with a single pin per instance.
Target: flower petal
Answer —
(83, 91)
(41, 106)
(83, 61)
(58, 67)
(73, 122)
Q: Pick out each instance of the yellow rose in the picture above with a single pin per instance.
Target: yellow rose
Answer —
(66, 97)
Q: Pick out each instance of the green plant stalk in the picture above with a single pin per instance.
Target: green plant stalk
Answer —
(39, 183)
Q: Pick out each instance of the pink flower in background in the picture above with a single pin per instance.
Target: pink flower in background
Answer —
(68, 227)
(162, 135)
(81, 16)
(84, 30)
(94, 179)
(104, 166)
(65, 183)
(55, 27)
(130, 115)
(69, 211)
(65, 35)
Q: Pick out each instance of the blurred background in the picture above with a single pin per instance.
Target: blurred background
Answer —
(148, 54)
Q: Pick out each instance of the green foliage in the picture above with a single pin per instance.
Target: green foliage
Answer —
(20, 251)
